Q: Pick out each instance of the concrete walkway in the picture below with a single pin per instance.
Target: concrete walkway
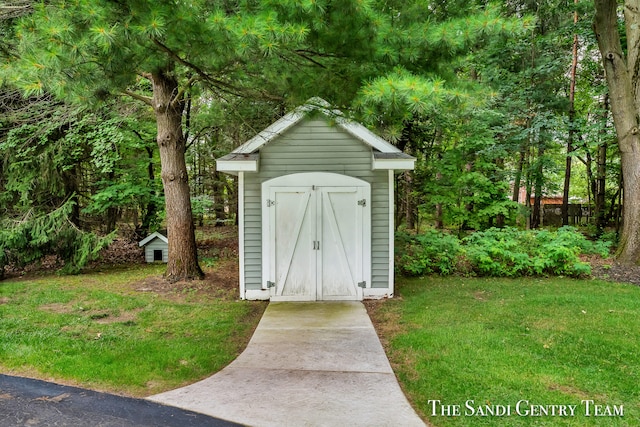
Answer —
(307, 364)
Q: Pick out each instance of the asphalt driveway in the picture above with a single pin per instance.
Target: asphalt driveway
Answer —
(35, 403)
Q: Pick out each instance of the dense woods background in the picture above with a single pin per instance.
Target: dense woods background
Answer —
(109, 109)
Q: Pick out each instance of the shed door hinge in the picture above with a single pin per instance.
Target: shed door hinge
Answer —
(362, 284)
(270, 203)
(270, 284)
(362, 202)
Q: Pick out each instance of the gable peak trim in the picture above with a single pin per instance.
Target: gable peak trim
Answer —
(292, 118)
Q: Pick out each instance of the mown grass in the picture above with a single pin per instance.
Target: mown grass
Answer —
(96, 330)
(499, 341)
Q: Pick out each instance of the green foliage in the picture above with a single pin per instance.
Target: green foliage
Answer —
(423, 59)
(50, 150)
(38, 160)
(88, 49)
(429, 252)
(501, 252)
(511, 252)
(201, 205)
(35, 236)
(472, 196)
(429, 101)
(476, 91)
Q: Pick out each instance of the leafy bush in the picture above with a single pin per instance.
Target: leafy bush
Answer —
(431, 252)
(499, 252)
(504, 252)
(512, 252)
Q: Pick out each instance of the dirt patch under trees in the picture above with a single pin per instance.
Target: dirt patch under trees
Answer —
(607, 269)
(220, 281)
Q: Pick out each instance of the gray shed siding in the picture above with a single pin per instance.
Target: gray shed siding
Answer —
(316, 146)
(156, 244)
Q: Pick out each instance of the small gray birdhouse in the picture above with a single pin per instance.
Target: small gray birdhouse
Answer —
(156, 247)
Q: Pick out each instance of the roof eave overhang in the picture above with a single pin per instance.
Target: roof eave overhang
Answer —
(231, 166)
(392, 161)
(394, 164)
(233, 163)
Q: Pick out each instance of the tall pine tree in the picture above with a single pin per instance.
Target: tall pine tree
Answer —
(156, 52)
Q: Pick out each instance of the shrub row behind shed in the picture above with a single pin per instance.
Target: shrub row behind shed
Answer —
(500, 252)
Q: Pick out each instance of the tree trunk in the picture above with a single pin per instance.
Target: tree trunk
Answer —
(231, 201)
(219, 198)
(538, 179)
(536, 216)
(619, 208)
(572, 119)
(151, 210)
(439, 221)
(624, 91)
(70, 179)
(591, 182)
(528, 183)
(518, 178)
(601, 176)
(410, 216)
(183, 257)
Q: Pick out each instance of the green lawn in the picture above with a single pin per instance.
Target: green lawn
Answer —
(475, 345)
(96, 330)
(480, 346)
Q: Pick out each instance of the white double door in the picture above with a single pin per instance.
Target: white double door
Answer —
(318, 241)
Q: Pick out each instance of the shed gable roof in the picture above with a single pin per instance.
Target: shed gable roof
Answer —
(245, 158)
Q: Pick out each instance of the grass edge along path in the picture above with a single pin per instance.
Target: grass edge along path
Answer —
(480, 346)
(95, 330)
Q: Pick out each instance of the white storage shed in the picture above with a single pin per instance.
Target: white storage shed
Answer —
(316, 208)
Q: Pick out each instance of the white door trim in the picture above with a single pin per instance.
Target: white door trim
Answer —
(324, 179)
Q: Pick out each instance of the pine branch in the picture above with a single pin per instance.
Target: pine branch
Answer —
(15, 9)
(304, 55)
(198, 135)
(318, 54)
(147, 100)
(5, 50)
(218, 84)
(183, 89)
